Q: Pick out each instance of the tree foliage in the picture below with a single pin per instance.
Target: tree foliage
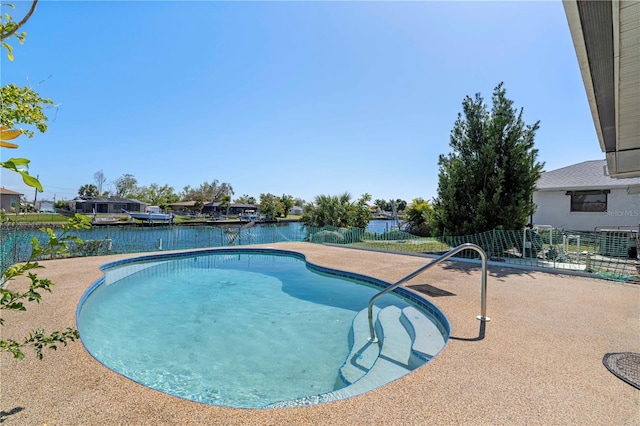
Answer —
(198, 203)
(20, 166)
(418, 218)
(488, 179)
(246, 199)
(13, 299)
(270, 206)
(388, 205)
(21, 106)
(9, 27)
(88, 191)
(24, 106)
(225, 201)
(209, 192)
(126, 186)
(286, 201)
(339, 211)
(156, 195)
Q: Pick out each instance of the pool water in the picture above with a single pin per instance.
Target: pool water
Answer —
(241, 330)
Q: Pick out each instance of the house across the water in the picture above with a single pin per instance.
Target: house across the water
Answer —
(105, 205)
(9, 199)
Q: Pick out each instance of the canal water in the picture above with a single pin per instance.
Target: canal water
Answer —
(99, 240)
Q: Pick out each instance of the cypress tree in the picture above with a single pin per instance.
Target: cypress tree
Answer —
(488, 179)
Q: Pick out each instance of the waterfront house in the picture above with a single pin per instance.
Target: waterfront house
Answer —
(240, 209)
(45, 206)
(106, 205)
(9, 199)
(296, 210)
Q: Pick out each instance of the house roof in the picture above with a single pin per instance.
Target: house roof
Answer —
(107, 200)
(606, 37)
(183, 204)
(586, 175)
(232, 205)
(5, 191)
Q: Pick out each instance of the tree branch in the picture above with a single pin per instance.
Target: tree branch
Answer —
(21, 23)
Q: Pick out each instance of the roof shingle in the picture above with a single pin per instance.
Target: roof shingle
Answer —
(586, 175)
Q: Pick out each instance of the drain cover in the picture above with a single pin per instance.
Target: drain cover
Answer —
(625, 365)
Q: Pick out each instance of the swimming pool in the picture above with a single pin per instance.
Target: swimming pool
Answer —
(253, 328)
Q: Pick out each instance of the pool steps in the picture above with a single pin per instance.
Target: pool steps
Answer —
(409, 339)
(427, 339)
(396, 341)
(363, 353)
(392, 356)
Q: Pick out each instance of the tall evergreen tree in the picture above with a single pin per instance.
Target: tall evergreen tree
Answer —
(488, 179)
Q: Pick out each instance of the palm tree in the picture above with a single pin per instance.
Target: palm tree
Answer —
(418, 217)
(338, 211)
(225, 201)
(88, 191)
(287, 202)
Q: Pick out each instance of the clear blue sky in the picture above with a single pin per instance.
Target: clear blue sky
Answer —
(297, 98)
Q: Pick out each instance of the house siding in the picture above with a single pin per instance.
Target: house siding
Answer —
(106, 205)
(554, 208)
(8, 202)
(9, 199)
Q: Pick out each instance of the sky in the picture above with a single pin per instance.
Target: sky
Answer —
(295, 97)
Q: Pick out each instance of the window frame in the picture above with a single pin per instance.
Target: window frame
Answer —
(584, 206)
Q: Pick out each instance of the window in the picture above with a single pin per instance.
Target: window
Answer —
(588, 201)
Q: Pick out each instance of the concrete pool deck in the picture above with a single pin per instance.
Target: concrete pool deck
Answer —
(539, 361)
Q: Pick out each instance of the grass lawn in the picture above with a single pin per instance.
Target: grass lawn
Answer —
(187, 219)
(35, 218)
(418, 245)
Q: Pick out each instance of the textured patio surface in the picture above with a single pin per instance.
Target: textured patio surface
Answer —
(539, 361)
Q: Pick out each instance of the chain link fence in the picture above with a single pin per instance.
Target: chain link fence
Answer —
(610, 254)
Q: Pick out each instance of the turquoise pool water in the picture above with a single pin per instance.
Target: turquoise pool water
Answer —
(240, 328)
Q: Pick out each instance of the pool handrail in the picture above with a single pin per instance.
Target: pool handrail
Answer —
(453, 251)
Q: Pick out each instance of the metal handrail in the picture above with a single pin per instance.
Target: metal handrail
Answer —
(461, 247)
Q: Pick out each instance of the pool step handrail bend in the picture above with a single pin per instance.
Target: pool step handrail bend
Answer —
(447, 255)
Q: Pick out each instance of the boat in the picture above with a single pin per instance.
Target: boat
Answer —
(151, 216)
(105, 220)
